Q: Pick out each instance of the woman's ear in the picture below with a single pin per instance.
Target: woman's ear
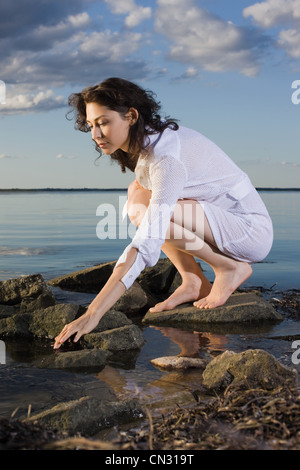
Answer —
(133, 116)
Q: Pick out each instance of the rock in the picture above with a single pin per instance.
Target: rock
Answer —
(179, 362)
(43, 301)
(83, 359)
(240, 308)
(86, 280)
(87, 416)
(7, 311)
(249, 369)
(46, 323)
(14, 291)
(112, 319)
(15, 326)
(124, 338)
(134, 301)
(158, 278)
(49, 322)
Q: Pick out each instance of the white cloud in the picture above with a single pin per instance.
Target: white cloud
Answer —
(273, 13)
(135, 13)
(28, 101)
(60, 156)
(203, 39)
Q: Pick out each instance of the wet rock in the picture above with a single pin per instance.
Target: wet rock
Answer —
(82, 359)
(134, 301)
(179, 362)
(158, 278)
(243, 308)
(249, 369)
(125, 338)
(42, 301)
(86, 280)
(112, 319)
(87, 416)
(28, 288)
(49, 322)
(15, 326)
(7, 311)
(46, 323)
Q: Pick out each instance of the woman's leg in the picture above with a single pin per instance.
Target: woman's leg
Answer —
(186, 239)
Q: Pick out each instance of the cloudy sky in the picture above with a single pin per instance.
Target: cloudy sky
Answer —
(230, 70)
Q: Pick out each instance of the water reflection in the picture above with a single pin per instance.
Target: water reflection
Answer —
(192, 343)
(165, 388)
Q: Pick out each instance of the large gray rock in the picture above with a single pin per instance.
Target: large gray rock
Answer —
(82, 359)
(46, 323)
(86, 280)
(240, 308)
(87, 415)
(125, 338)
(26, 289)
(249, 369)
(134, 301)
(158, 278)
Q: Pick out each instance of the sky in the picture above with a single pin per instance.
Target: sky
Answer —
(230, 70)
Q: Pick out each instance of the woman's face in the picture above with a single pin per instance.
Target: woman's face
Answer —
(110, 130)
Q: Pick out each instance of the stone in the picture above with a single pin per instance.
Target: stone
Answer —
(7, 311)
(14, 291)
(42, 301)
(82, 359)
(87, 415)
(125, 338)
(243, 308)
(179, 362)
(112, 319)
(49, 322)
(134, 301)
(90, 280)
(249, 369)
(46, 323)
(158, 278)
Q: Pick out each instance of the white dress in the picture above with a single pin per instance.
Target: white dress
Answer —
(184, 164)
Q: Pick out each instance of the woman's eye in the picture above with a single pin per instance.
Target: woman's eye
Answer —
(103, 123)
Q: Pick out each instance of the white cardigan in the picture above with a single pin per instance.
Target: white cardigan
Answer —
(184, 164)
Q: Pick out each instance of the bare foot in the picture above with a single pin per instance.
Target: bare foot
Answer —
(191, 289)
(226, 282)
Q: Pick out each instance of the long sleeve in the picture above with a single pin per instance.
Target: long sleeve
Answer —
(168, 178)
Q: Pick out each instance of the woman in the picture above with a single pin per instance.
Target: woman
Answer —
(189, 200)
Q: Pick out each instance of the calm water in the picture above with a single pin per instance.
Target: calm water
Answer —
(54, 233)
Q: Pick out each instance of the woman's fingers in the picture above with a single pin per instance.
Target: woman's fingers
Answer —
(78, 326)
(66, 332)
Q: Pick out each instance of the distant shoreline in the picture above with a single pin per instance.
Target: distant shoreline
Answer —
(11, 190)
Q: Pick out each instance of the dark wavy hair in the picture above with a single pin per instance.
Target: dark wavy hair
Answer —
(119, 95)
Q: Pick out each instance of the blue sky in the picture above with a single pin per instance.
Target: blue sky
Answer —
(225, 69)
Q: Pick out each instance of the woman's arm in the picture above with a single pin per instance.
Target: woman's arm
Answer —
(107, 297)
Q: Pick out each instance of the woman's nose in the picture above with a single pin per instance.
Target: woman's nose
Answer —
(97, 133)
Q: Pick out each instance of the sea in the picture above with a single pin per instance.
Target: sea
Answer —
(55, 232)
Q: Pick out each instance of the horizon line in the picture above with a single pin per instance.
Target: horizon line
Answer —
(258, 188)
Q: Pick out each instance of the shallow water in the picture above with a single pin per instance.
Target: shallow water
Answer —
(55, 233)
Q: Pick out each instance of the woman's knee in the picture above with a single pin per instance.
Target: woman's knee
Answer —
(138, 201)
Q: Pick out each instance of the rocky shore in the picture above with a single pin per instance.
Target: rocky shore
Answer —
(30, 312)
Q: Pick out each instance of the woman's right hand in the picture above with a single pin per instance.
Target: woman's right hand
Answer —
(81, 326)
